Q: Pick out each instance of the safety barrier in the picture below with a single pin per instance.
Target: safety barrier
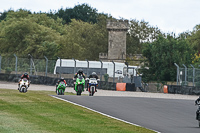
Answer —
(45, 80)
(178, 89)
(165, 89)
(125, 87)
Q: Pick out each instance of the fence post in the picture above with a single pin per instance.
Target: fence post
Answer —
(113, 71)
(101, 73)
(177, 75)
(60, 66)
(74, 65)
(126, 63)
(0, 63)
(193, 78)
(185, 73)
(15, 63)
(30, 64)
(87, 67)
(46, 65)
(101, 70)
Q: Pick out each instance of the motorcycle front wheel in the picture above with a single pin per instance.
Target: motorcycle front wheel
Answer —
(79, 89)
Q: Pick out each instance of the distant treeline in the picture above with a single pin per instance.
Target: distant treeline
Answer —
(81, 33)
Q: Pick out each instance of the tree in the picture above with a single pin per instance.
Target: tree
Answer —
(3, 15)
(140, 32)
(194, 38)
(82, 41)
(82, 12)
(161, 56)
(26, 33)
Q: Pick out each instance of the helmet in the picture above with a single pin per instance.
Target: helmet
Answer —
(25, 74)
(93, 73)
(61, 79)
(80, 71)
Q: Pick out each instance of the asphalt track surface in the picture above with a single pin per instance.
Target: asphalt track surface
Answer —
(166, 113)
(162, 115)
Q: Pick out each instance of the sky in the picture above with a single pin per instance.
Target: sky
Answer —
(169, 16)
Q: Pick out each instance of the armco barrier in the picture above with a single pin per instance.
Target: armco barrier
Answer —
(186, 90)
(52, 81)
(130, 87)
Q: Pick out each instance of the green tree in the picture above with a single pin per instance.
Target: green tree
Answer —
(26, 33)
(161, 56)
(81, 12)
(194, 38)
(140, 32)
(82, 41)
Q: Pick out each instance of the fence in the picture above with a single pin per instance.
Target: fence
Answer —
(188, 76)
(41, 67)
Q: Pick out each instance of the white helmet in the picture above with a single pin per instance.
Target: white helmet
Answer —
(93, 73)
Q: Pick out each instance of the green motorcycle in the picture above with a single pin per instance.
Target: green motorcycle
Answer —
(79, 85)
(61, 88)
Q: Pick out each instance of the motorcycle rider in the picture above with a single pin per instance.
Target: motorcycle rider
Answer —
(61, 79)
(79, 73)
(93, 75)
(25, 75)
(196, 103)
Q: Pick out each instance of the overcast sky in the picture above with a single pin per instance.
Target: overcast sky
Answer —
(168, 15)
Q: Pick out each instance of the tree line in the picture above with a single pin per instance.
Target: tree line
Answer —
(80, 32)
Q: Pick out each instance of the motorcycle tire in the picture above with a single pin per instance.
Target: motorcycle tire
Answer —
(199, 123)
(22, 89)
(92, 91)
(61, 91)
(79, 90)
(25, 90)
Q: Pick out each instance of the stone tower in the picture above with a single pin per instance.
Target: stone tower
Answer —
(117, 30)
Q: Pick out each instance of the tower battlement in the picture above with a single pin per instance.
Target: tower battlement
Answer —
(117, 25)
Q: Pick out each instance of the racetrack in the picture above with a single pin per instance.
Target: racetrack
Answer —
(166, 113)
(13, 85)
(162, 115)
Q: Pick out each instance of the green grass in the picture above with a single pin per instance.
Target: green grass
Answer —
(37, 112)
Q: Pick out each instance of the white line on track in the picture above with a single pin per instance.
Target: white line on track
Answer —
(102, 113)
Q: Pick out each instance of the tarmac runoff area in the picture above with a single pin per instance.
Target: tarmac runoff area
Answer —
(100, 92)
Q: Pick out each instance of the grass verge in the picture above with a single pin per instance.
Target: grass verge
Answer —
(37, 112)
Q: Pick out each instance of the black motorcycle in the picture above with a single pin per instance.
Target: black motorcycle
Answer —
(198, 112)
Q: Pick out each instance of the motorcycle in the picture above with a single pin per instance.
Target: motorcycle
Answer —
(198, 111)
(92, 84)
(79, 85)
(23, 85)
(61, 88)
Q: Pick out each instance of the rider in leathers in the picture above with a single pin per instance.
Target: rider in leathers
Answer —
(93, 75)
(79, 73)
(61, 79)
(25, 75)
(196, 103)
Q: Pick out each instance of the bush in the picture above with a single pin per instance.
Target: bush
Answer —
(8, 70)
(106, 77)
